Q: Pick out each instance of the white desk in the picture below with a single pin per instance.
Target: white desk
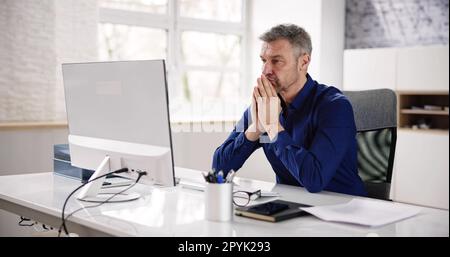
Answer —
(179, 211)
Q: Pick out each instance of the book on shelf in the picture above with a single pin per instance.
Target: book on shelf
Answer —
(432, 108)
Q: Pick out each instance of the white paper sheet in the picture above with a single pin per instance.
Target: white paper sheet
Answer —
(364, 212)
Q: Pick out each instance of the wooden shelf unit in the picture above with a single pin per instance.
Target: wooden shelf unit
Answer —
(408, 117)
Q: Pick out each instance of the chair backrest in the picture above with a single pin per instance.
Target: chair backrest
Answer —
(375, 114)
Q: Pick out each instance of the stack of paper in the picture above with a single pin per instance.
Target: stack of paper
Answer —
(364, 212)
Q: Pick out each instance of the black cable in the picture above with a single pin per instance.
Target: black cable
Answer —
(22, 219)
(63, 225)
(107, 200)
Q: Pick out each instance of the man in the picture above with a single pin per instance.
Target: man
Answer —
(310, 127)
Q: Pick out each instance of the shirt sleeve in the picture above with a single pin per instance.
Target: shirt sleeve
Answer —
(236, 149)
(313, 168)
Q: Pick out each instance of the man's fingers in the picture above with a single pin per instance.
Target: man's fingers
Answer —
(253, 115)
(274, 108)
(256, 92)
(260, 96)
(261, 89)
(256, 95)
(267, 86)
(255, 110)
(274, 92)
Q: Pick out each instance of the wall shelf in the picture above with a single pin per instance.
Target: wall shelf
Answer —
(428, 112)
(413, 112)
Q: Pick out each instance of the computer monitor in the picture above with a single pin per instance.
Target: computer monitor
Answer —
(118, 117)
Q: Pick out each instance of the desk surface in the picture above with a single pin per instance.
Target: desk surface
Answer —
(179, 211)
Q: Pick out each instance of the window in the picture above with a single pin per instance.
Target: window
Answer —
(223, 10)
(151, 6)
(202, 42)
(123, 42)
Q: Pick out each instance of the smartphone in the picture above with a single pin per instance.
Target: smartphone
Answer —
(268, 208)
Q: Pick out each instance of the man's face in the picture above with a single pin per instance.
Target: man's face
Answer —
(280, 64)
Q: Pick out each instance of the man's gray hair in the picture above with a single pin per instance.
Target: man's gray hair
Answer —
(296, 35)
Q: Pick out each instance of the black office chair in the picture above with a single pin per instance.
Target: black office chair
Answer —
(375, 114)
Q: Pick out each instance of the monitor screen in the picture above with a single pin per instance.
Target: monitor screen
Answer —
(120, 109)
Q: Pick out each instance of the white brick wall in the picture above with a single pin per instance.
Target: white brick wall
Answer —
(35, 38)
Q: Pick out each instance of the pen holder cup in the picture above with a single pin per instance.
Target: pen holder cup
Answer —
(219, 201)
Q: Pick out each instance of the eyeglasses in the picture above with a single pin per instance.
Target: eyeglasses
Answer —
(242, 198)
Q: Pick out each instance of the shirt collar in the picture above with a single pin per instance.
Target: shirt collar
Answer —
(303, 94)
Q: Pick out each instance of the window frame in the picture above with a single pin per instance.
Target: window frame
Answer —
(175, 25)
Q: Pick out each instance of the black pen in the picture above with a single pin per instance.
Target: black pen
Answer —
(206, 176)
(212, 178)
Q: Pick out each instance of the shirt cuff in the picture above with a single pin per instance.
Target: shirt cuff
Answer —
(282, 141)
(245, 143)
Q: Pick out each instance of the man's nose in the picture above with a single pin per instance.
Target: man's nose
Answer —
(267, 69)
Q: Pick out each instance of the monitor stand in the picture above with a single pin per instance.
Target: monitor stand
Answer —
(91, 191)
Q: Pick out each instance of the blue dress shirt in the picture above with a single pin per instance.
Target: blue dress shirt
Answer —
(317, 149)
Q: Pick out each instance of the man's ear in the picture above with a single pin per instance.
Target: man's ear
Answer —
(303, 62)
